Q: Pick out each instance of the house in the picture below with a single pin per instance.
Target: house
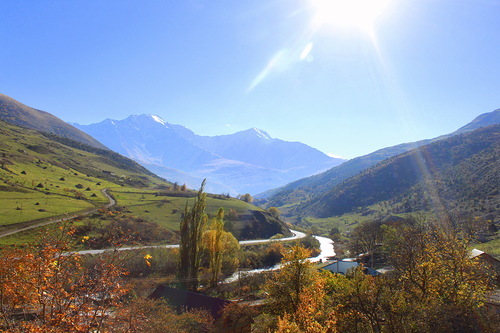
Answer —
(339, 266)
(342, 266)
(188, 300)
(488, 260)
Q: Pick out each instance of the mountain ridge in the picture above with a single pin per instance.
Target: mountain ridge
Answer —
(247, 161)
(304, 188)
(446, 175)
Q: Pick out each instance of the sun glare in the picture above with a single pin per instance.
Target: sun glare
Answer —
(348, 13)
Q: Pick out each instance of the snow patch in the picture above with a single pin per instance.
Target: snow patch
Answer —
(158, 119)
(261, 134)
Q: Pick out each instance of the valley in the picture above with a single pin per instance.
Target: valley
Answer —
(64, 198)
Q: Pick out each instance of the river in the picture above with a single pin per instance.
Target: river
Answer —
(326, 248)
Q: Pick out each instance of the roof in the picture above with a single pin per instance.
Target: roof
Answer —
(475, 253)
(183, 299)
(340, 266)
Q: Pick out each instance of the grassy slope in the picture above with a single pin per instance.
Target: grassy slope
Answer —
(19, 114)
(40, 178)
(39, 175)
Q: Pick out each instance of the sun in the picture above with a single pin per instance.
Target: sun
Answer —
(348, 13)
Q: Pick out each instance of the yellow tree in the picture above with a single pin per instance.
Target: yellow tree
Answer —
(219, 244)
(444, 285)
(311, 315)
(296, 295)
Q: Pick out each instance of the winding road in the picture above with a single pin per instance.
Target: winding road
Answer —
(112, 202)
(296, 235)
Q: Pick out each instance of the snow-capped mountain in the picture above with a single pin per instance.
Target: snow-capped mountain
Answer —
(247, 161)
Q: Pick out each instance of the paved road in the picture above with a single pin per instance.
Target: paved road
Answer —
(111, 202)
(296, 235)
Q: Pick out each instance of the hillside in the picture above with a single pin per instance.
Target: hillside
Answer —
(43, 175)
(244, 162)
(458, 174)
(19, 114)
(306, 188)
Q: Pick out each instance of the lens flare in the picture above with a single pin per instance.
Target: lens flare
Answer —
(351, 13)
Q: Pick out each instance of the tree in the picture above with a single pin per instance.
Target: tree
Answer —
(361, 301)
(191, 229)
(312, 315)
(247, 198)
(444, 285)
(365, 238)
(44, 288)
(274, 212)
(297, 295)
(285, 287)
(219, 244)
(235, 315)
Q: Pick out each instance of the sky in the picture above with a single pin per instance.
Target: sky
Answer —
(345, 77)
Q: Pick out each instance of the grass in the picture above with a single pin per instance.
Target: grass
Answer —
(167, 210)
(20, 207)
(40, 178)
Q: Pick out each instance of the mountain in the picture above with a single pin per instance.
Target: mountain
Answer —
(19, 114)
(244, 162)
(44, 176)
(458, 174)
(304, 189)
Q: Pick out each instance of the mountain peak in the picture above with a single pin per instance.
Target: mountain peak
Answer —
(157, 119)
(261, 134)
(146, 118)
(255, 132)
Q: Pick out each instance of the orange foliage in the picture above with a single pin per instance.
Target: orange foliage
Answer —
(44, 288)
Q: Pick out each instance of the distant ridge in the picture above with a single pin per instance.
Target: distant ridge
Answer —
(19, 114)
(304, 189)
(450, 175)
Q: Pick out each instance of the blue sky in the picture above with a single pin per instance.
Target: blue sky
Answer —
(423, 68)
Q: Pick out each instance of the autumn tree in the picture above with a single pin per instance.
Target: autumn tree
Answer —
(445, 286)
(312, 315)
(45, 288)
(364, 303)
(234, 316)
(296, 295)
(274, 212)
(247, 198)
(285, 287)
(365, 238)
(191, 230)
(220, 245)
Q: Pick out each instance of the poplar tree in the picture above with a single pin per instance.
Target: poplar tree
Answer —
(191, 229)
(213, 242)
